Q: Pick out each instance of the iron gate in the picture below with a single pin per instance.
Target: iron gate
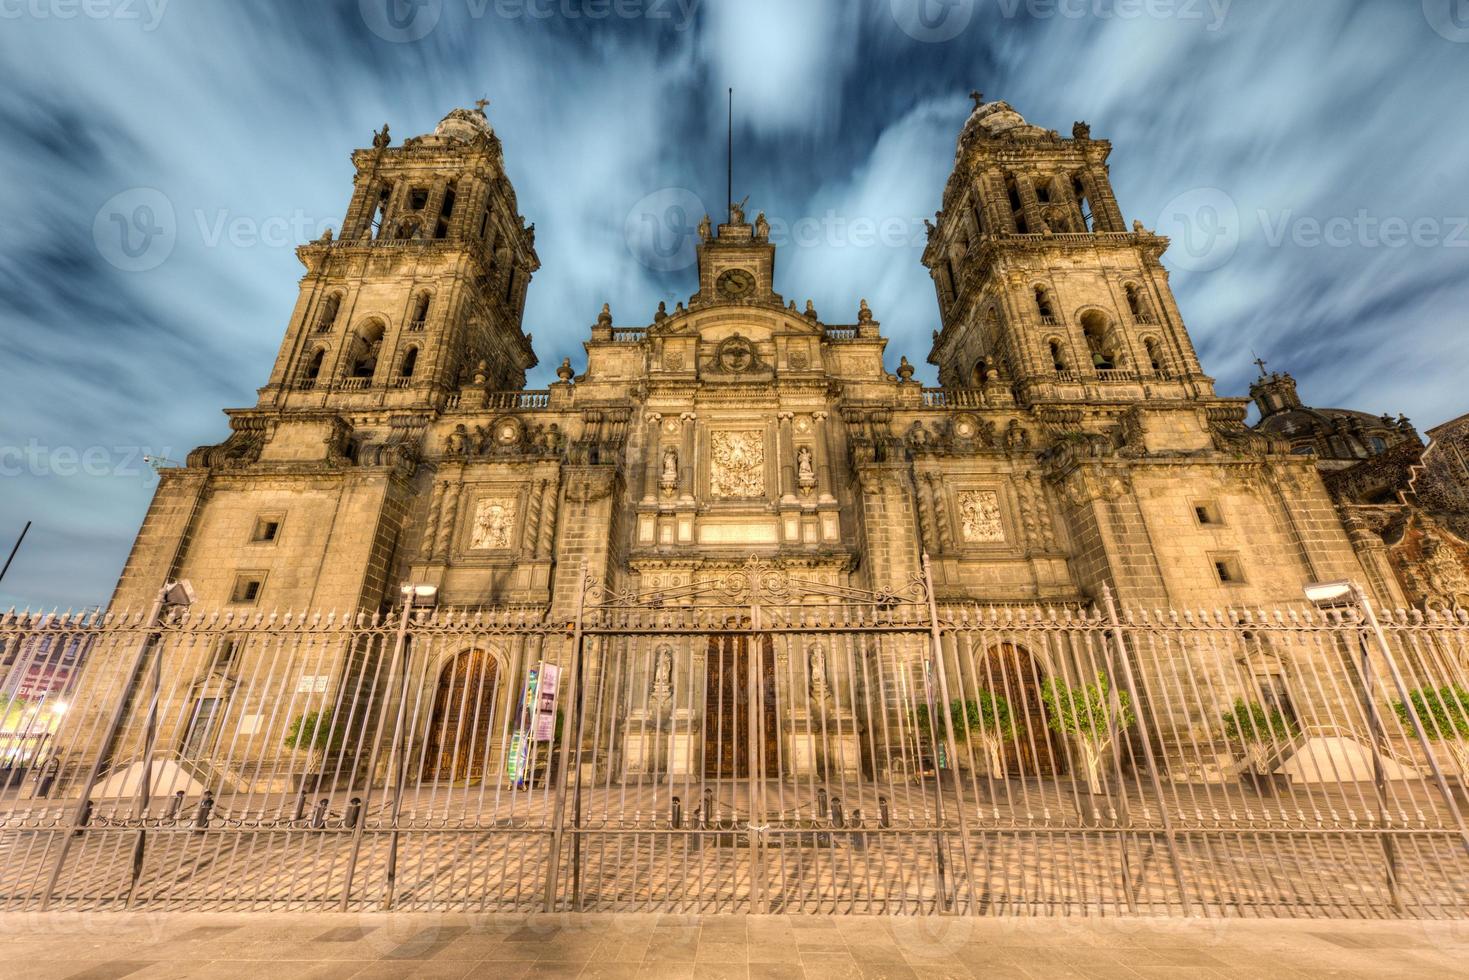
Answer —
(751, 742)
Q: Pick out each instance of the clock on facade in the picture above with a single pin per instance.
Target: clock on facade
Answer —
(735, 284)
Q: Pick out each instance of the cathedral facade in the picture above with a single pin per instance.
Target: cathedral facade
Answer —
(1074, 440)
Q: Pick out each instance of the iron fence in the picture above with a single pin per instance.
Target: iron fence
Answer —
(752, 742)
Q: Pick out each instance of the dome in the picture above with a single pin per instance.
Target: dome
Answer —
(994, 120)
(465, 124)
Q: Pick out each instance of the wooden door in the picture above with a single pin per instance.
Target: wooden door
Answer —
(463, 718)
(726, 729)
(727, 706)
(1011, 671)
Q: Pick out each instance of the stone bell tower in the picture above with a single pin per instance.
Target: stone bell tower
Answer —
(426, 284)
(1040, 282)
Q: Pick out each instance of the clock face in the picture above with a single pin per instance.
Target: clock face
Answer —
(735, 284)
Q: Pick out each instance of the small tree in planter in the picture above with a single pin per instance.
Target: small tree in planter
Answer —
(1444, 712)
(314, 734)
(987, 719)
(1086, 714)
(1257, 729)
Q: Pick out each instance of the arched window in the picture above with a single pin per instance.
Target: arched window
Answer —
(446, 212)
(1078, 191)
(1057, 360)
(1137, 304)
(365, 349)
(420, 312)
(981, 372)
(410, 360)
(1379, 445)
(1155, 357)
(380, 211)
(1017, 208)
(313, 367)
(1043, 305)
(1098, 340)
(329, 310)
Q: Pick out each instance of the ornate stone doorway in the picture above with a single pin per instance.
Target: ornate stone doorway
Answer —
(463, 719)
(727, 738)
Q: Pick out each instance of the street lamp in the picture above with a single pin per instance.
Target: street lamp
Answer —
(421, 596)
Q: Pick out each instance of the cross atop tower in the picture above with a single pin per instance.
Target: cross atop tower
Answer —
(480, 105)
(978, 98)
(1260, 363)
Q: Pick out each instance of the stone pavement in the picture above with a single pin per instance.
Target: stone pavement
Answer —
(284, 945)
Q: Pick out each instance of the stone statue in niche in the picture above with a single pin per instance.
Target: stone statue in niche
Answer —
(662, 674)
(820, 688)
(668, 478)
(805, 469)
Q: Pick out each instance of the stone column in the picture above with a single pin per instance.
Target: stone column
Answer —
(431, 525)
(547, 529)
(530, 542)
(686, 455)
(824, 483)
(785, 455)
(1028, 202)
(925, 514)
(448, 516)
(651, 452)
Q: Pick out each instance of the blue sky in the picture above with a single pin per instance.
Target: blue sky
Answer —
(1308, 158)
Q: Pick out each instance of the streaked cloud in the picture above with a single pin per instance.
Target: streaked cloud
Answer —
(242, 117)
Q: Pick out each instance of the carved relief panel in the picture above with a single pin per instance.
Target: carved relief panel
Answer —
(493, 524)
(981, 520)
(737, 464)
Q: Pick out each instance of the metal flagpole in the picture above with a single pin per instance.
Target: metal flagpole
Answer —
(22, 538)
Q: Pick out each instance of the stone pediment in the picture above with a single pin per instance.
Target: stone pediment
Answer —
(759, 322)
